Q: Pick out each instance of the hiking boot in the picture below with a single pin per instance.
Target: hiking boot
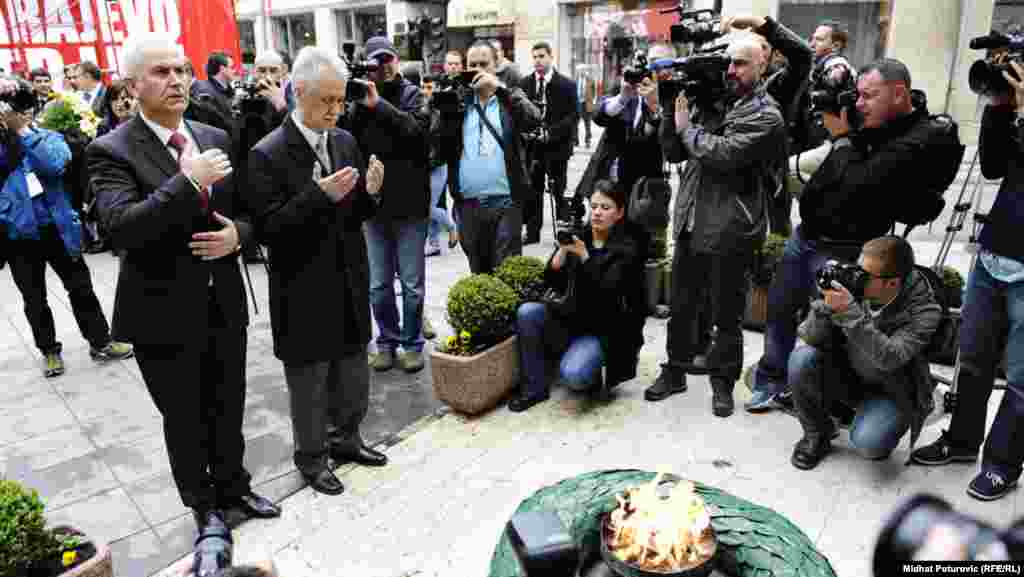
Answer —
(53, 366)
(382, 361)
(428, 329)
(722, 404)
(668, 383)
(114, 351)
(943, 452)
(989, 486)
(411, 361)
(810, 450)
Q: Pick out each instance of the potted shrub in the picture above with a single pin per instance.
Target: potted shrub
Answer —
(29, 549)
(954, 283)
(525, 275)
(479, 365)
(759, 279)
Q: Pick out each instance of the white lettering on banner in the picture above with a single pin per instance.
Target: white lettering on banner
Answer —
(163, 14)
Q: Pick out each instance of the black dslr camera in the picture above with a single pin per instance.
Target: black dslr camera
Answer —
(986, 76)
(248, 99)
(695, 26)
(451, 91)
(355, 90)
(22, 99)
(924, 526)
(833, 94)
(850, 276)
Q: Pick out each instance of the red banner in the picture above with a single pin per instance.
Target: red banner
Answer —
(52, 33)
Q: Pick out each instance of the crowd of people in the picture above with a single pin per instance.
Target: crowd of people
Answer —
(340, 194)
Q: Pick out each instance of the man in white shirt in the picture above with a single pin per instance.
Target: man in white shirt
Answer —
(90, 85)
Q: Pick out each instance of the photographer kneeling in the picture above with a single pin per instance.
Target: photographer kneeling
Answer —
(861, 347)
(602, 322)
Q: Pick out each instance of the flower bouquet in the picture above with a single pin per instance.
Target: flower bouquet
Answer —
(68, 114)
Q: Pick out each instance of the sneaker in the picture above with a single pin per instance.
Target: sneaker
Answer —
(943, 452)
(54, 365)
(428, 329)
(411, 361)
(761, 402)
(668, 383)
(382, 361)
(989, 486)
(114, 351)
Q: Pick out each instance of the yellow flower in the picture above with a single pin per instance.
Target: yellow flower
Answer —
(69, 558)
(465, 337)
(451, 343)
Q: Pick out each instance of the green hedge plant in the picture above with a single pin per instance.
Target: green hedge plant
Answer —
(484, 307)
(769, 255)
(24, 539)
(525, 275)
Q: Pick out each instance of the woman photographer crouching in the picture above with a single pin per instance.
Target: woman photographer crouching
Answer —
(601, 322)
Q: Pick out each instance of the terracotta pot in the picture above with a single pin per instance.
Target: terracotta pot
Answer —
(476, 384)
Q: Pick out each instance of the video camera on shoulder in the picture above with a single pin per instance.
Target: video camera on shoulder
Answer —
(695, 26)
(986, 75)
(700, 76)
(849, 276)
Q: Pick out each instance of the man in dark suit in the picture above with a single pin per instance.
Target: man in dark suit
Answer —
(556, 96)
(216, 93)
(306, 177)
(164, 193)
(90, 86)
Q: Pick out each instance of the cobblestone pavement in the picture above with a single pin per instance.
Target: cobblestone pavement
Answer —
(91, 442)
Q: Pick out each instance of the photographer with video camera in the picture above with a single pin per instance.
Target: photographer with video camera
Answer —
(993, 311)
(862, 350)
(731, 145)
(385, 113)
(849, 199)
(482, 126)
(555, 95)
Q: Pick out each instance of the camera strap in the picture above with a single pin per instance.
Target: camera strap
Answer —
(487, 123)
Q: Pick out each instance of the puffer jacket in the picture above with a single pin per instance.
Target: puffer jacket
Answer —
(731, 152)
(47, 156)
(891, 344)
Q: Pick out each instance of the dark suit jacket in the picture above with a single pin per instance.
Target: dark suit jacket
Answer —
(213, 104)
(319, 270)
(637, 148)
(562, 115)
(150, 211)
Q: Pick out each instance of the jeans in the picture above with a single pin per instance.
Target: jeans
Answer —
(791, 289)
(397, 246)
(492, 230)
(28, 260)
(993, 317)
(438, 216)
(581, 355)
(819, 380)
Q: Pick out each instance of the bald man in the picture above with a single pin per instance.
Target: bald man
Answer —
(719, 216)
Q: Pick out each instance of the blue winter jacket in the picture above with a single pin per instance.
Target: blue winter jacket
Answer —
(47, 155)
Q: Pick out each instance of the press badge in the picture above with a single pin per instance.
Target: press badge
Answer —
(35, 188)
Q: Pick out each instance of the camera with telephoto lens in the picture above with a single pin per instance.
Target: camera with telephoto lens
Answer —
(695, 26)
(833, 94)
(700, 76)
(22, 99)
(637, 70)
(451, 91)
(986, 76)
(926, 528)
(849, 276)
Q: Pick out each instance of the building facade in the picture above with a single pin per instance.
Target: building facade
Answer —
(601, 36)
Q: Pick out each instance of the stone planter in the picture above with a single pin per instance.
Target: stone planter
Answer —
(476, 384)
(101, 564)
(755, 315)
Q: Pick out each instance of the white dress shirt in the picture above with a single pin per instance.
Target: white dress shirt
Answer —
(313, 138)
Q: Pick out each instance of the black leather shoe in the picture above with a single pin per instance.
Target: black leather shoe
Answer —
(522, 402)
(324, 481)
(810, 450)
(722, 404)
(254, 505)
(358, 453)
(530, 238)
(668, 383)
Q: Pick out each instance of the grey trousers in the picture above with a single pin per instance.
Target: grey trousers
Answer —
(490, 232)
(328, 402)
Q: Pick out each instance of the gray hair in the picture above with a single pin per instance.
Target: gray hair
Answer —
(269, 57)
(141, 43)
(313, 62)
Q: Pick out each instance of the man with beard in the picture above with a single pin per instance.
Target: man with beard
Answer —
(391, 123)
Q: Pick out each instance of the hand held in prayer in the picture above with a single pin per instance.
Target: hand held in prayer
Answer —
(337, 186)
(217, 244)
(208, 168)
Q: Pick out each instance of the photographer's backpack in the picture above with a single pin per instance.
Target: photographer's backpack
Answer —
(943, 345)
(924, 202)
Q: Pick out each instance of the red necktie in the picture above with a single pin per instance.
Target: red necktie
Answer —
(179, 143)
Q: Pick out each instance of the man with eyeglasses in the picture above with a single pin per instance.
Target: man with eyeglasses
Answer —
(864, 356)
(482, 142)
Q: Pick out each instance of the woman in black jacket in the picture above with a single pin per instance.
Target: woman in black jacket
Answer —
(605, 327)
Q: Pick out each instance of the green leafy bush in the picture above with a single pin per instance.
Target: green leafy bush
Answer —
(24, 538)
(484, 307)
(768, 255)
(525, 274)
(954, 282)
